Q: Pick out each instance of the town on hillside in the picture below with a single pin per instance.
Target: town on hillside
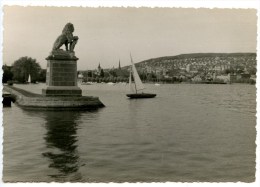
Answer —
(189, 68)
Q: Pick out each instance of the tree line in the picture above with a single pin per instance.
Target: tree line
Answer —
(21, 69)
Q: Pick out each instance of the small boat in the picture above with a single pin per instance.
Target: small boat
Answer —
(140, 95)
(29, 79)
(111, 83)
(87, 83)
(156, 84)
(137, 86)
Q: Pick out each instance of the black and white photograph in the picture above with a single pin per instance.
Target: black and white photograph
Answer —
(129, 94)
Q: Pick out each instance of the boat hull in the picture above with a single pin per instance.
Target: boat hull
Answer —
(140, 95)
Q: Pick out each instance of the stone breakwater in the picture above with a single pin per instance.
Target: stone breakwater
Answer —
(30, 100)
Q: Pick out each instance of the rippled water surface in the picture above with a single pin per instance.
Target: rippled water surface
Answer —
(187, 133)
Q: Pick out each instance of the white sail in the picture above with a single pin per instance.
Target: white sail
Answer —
(138, 83)
(29, 79)
(131, 86)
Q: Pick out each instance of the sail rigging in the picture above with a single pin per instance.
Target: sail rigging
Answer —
(131, 86)
(137, 81)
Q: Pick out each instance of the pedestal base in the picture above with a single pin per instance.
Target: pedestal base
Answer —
(58, 91)
(61, 76)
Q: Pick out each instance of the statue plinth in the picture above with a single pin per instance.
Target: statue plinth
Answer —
(62, 55)
(61, 75)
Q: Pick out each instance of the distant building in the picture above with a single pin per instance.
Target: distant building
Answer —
(197, 78)
(245, 76)
(188, 68)
(119, 65)
(225, 78)
(99, 70)
(253, 77)
(238, 76)
(232, 77)
(218, 68)
(80, 77)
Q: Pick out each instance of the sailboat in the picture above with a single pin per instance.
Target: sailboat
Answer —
(29, 79)
(137, 85)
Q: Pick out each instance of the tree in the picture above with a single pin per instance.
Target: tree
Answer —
(89, 74)
(102, 73)
(143, 76)
(25, 66)
(113, 73)
(252, 71)
(7, 74)
(42, 75)
(227, 71)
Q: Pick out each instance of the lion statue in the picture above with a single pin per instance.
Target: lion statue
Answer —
(66, 38)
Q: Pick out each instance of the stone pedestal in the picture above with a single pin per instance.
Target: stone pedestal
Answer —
(61, 76)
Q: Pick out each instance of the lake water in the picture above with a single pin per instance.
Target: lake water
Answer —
(189, 132)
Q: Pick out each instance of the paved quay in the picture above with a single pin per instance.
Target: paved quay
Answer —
(29, 100)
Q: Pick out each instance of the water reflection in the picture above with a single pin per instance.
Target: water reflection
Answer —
(61, 140)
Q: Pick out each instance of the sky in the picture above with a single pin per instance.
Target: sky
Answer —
(107, 35)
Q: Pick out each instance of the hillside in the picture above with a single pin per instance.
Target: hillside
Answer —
(184, 67)
(202, 61)
(201, 55)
